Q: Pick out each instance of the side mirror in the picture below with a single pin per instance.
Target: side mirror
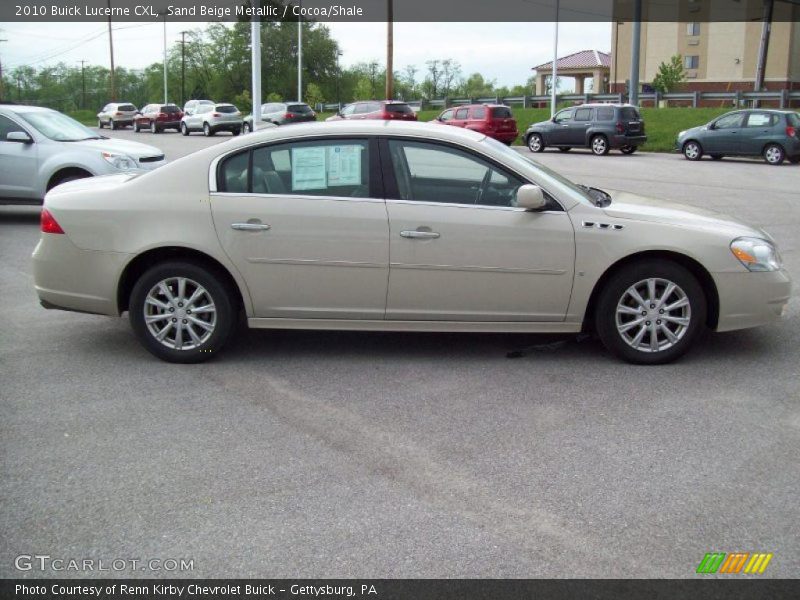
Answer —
(19, 136)
(712, 125)
(530, 197)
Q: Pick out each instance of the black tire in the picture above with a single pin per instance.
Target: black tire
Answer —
(615, 290)
(599, 145)
(99, 123)
(535, 142)
(236, 132)
(565, 149)
(246, 128)
(217, 291)
(154, 127)
(716, 156)
(135, 127)
(629, 149)
(774, 154)
(72, 177)
(207, 131)
(112, 124)
(692, 150)
(184, 129)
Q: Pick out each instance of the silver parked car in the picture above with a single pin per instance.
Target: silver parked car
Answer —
(116, 115)
(41, 148)
(369, 225)
(282, 113)
(211, 118)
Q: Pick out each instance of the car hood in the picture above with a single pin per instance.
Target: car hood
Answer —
(117, 146)
(625, 205)
(693, 130)
(539, 124)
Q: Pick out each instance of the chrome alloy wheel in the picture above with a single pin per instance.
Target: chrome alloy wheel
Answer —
(653, 315)
(773, 155)
(180, 313)
(692, 151)
(599, 144)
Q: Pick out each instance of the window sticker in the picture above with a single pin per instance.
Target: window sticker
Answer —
(344, 165)
(308, 168)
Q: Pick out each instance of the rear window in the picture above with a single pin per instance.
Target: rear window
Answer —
(502, 112)
(302, 109)
(794, 119)
(605, 114)
(226, 108)
(628, 113)
(127, 107)
(399, 108)
(170, 108)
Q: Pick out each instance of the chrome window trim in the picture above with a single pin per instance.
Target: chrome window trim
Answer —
(297, 197)
(479, 206)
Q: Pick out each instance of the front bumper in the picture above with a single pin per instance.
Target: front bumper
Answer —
(70, 278)
(751, 299)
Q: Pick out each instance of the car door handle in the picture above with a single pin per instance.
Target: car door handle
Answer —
(250, 226)
(419, 235)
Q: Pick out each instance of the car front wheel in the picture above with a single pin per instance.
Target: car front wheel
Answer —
(692, 150)
(599, 145)
(774, 154)
(650, 312)
(184, 129)
(153, 127)
(112, 124)
(181, 312)
(246, 128)
(207, 131)
(535, 143)
(99, 124)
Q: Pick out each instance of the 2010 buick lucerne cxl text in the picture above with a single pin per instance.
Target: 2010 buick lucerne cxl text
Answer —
(395, 226)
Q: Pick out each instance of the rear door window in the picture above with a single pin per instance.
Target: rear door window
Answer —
(605, 114)
(479, 112)
(761, 120)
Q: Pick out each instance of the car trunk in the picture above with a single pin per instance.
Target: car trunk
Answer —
(502, 120)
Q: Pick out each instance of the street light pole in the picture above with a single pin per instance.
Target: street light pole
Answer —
(255, 48)
(300, 57)
(183, 67)
(166, 99)
(111, 52)
(554, 75)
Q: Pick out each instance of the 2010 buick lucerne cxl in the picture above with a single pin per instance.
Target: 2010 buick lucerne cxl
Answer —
(395, 226)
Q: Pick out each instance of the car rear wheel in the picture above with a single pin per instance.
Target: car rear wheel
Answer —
(99, 123)
(692, 150)
(629, 149)
(153, 127)
(246, 128)
(112, 124)
(184, 129)
(181, 312)
(236, 131)
(135, 127)
(565, 149)
(535, 143)
(650, 312)
(207, 131)
(774, 154)
(599, 145)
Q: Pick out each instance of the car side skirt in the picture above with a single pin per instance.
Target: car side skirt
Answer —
(386, 325)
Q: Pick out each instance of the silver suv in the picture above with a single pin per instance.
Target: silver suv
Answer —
(41, 148)
(191, 106)
(116, 114)
(211, 118)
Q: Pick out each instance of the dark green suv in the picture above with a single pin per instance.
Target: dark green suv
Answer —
(599, 127)
(772, 134)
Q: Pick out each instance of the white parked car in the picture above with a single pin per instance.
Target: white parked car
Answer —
(396, 226)
(116, 114)
(41, 148)
(212, 118)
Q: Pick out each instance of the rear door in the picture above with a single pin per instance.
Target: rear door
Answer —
(503, 119)
(305, 223)
(460, 249)
(760, 128)
(632, 122)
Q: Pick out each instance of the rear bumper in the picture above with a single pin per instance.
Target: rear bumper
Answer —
(69, 278)
(618, 141)
(750, 299)
(504, 136)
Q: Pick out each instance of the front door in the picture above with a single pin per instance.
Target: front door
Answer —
(558, 131)
(576, 132)
(724, 137)
(306, 226)
(18, 164)
(461, 251)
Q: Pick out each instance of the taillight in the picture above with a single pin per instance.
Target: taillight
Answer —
(288, 116)
(49, 224)
(117, 114)
(216, 115)
(162, 115)
(791, 131)
(620, 127)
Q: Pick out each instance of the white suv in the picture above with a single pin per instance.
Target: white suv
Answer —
(116, 114)
(41, 148)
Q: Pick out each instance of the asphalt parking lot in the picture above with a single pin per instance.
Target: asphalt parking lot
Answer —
(307, 454)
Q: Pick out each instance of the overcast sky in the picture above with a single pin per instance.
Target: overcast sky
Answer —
(501, 51)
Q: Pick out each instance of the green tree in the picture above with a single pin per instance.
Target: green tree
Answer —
(314, 95)
(670, 75)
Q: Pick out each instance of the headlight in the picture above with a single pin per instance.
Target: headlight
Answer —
(756, 254)
(120, 161)
(681, 133)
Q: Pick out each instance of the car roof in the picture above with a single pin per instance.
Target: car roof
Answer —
(18, 108)
(223, 104)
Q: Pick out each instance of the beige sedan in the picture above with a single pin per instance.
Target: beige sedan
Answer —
(395, 226)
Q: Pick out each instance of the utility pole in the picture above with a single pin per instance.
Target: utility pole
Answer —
(338, 81)
(389, 50)
(183, 67)
(636, 40)
(300, 57)
(83, 85)
(1, 73)
(111, 50)
(19, 88)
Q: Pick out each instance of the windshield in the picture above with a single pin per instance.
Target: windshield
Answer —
(59, 127)
(519, 159)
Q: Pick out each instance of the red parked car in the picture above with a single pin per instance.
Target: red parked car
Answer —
(158, 117)
(493, 120)
(376, 109)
